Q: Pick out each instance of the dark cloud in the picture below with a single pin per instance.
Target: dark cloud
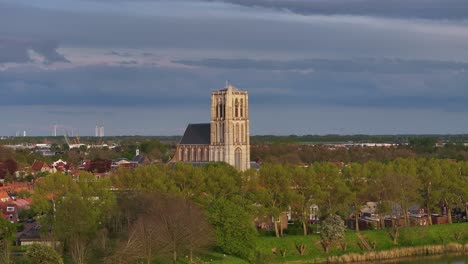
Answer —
(149, 86)
(328, 65)
(359, 102)
(100, 86)
(429, 9)
(18, 50)
(265, 35)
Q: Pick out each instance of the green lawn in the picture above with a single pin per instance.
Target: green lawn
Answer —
(413, 236)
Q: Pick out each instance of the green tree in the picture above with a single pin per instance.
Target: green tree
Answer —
(189, 180)
(451, 194)
(221, 181)
(356, 179)
(7, 232)
(430, 176)
(336, 195)
(274, 192)
(234, 228)
(74, 210)
(306, 191)
(332, 231)
(402, 190)
(464, 186)
(42, 254)
(423, 144)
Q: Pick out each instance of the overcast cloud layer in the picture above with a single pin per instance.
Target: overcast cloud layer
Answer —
(147, 67)
(431, 9)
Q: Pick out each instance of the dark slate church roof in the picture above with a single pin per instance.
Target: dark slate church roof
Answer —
(197, 134)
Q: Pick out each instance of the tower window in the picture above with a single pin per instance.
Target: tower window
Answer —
(242, 107)
(237, 108)
(242, 134)
(222, 110)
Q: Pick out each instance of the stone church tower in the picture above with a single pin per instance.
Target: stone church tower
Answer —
(230, 136)
(226, 138)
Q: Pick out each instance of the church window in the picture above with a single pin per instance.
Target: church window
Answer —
(242, 108)
(223, 110)
(222, 133)
(237, 108)
(238, 158)
(237, 133)
(242, 134)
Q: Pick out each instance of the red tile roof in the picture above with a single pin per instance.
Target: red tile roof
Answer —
(39, 165)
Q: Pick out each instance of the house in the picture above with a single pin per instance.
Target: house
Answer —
(367, 217)
(9, 212)
(22, 203)
(40, 166)
(33, 236)
(96, 165)
(61, 166)
(141, 159)
(4, 197)
(122, 163)
(267, 223)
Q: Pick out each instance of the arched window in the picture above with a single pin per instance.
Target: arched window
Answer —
(242, 108)
(216, 133)
(242, 134)
(238, 158)
(223, 109)
(222, 133)
(237, 108)
(237, 133)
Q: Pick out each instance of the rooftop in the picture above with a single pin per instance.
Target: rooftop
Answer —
(197, 134)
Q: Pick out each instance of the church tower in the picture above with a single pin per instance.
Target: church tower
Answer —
(230, 136)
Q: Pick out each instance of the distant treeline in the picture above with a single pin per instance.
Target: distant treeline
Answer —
(257, 139)
(123, 140)
(270, 139)
(292, 153)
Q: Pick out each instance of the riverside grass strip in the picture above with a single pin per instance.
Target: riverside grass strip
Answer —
(400, 253)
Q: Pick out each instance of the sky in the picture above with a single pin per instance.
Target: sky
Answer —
(147, 67)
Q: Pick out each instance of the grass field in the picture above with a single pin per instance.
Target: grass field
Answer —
(413, 236)
(409, 237)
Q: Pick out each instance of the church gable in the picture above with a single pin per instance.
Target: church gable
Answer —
(196, 134)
